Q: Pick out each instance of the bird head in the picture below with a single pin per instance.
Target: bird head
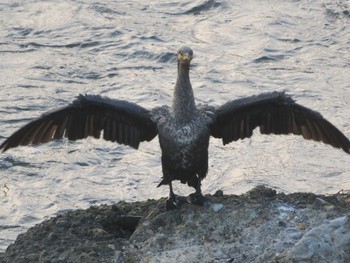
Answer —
(185, 55)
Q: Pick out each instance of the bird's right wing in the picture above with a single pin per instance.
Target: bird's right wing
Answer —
(274, 113)
(121, 121)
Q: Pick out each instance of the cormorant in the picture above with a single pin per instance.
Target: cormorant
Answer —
(183, 129)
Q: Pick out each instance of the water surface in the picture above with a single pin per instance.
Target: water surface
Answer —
(50, 51)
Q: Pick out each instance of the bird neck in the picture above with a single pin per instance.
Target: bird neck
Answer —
(183, 103)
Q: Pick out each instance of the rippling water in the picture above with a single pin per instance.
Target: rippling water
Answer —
(51, 51)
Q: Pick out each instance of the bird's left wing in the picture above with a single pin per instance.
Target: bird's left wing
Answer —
(121, 121)
(274, 113)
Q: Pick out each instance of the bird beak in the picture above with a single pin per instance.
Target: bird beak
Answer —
(185, 57)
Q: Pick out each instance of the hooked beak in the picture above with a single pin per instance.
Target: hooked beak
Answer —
(185, 57)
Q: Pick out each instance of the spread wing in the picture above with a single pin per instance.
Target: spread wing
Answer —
(88, 115)
(274, 113)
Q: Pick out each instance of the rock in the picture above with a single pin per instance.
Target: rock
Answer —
(219, 193)
(329, 242)
(259, 226)
(320, 201)
(217, 207)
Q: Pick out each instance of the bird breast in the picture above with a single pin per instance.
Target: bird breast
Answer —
(182, 133)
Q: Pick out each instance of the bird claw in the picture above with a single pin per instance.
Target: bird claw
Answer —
(175, 202)
(196, 199)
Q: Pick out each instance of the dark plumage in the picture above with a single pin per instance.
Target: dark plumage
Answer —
(183, 129)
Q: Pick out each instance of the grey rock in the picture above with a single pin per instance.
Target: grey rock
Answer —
(329, 242)
(259, 226)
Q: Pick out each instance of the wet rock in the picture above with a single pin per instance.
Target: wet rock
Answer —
(259, 226)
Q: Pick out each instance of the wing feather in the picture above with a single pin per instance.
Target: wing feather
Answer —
(88, 115)
(274, 113)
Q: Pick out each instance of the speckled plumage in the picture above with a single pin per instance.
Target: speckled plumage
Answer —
(184, 144)
(183, 129)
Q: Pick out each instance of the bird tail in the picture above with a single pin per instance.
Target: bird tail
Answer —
(163, 182)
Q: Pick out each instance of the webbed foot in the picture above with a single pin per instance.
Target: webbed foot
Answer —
(175, 202)
(196, 199)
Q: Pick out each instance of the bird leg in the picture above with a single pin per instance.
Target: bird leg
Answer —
(197, 197)
(174, 201)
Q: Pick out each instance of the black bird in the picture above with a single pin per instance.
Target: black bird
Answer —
(183, 129)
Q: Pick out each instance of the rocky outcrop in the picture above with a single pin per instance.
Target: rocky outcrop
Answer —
(259, 226)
